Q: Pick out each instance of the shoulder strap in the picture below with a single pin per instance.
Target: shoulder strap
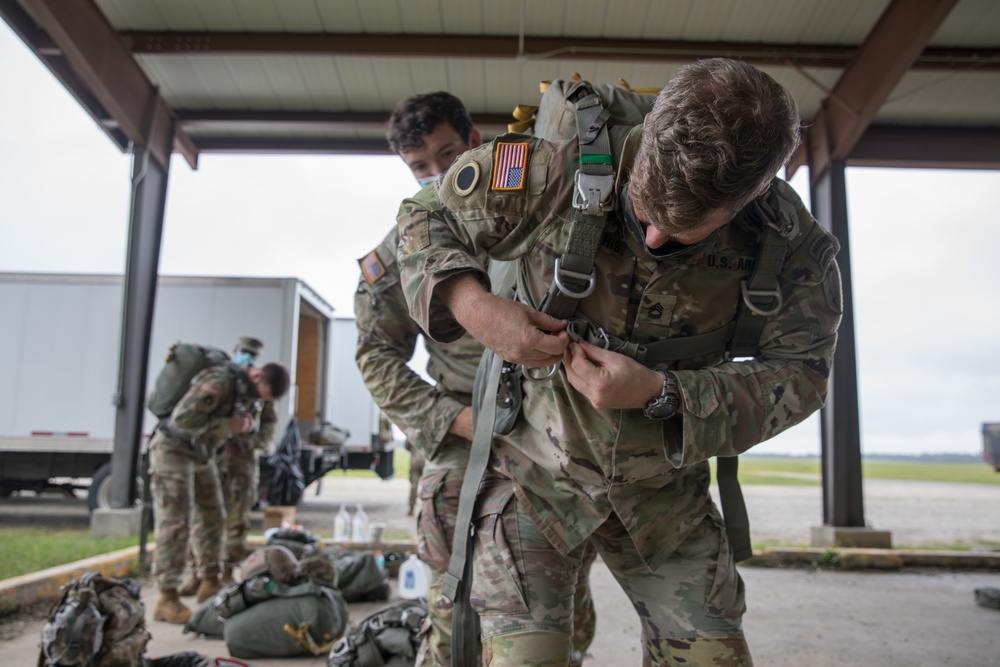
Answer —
(593, 197)
(760, 293)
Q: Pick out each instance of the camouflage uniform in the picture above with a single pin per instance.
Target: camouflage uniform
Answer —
(386, 340)
(638, 489)
(184, 477)
(239, 472)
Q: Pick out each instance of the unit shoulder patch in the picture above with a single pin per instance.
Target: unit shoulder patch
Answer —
(466, 179)
(372, 268)
(509, 164)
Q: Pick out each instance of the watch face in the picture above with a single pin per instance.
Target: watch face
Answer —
(662, 407)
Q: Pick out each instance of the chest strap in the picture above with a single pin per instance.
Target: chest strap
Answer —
(651, 354)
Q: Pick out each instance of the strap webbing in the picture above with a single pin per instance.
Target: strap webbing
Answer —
(593, 197)
(734, 509)
(650, 354)
(761, 296)
(464, 621)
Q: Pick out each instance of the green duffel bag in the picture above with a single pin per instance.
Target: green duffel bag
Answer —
(284, 627)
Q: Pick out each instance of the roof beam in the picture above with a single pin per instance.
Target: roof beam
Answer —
(204, 121)
(891, 48)
(534, 48)
(928, 147)
(90, 48)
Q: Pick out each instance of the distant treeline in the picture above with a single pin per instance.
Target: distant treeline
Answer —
(919, 458)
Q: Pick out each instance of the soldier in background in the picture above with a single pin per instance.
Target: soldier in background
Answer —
(612, 449)
(428, 132)
(183, 483)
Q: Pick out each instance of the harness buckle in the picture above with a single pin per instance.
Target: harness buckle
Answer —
(593, 193)
(750, 294)
(575, 275)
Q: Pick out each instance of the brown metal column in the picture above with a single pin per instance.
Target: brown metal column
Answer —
(149, 195)
(843, 503)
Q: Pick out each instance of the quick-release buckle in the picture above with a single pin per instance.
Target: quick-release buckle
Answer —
(575, 275)
(750, 294)
(593, 193)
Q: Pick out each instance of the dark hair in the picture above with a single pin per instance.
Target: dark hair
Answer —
(719, 131)
(277, 379)
(417, 116)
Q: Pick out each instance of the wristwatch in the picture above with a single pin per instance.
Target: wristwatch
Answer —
(665, 405)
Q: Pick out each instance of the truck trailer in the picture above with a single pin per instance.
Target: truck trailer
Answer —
(59, 349)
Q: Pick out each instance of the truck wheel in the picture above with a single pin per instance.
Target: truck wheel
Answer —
(99, 494)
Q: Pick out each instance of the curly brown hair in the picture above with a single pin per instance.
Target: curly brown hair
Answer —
(719, 131)
(417, 116)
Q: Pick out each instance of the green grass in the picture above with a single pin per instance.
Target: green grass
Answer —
(802, 471)
(24, 550)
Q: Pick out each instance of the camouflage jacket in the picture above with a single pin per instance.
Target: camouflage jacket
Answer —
(199, 423)
(387, 336)
(267, 420)
(574, 465)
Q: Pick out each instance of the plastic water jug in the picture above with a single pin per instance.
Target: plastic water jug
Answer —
(412, 578)
(342, 526)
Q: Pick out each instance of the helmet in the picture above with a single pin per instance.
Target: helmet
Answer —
(318, 567)
(274, 560)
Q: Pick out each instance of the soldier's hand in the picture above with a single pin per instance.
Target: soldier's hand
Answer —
(462, 424)
(241, 423)
(609, 379)
(516, 332)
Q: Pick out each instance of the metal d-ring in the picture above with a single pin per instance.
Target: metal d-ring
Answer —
(589, 277)
(553, 369)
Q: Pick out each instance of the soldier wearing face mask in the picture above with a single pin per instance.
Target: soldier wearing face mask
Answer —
(429, 132)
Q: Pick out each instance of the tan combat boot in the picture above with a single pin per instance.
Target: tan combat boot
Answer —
(227, 576)
(208, 588)
(190, 586)
(170, 608)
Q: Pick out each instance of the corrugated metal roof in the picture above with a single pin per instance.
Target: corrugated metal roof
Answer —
(263, 74)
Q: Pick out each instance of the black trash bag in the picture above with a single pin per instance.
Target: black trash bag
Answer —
(282, 482)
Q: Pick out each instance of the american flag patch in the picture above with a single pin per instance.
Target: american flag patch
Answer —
(509, 166)
(371, 267)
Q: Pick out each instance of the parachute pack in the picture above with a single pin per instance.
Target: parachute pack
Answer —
(98, 622)
(184, 361)
(554, 119)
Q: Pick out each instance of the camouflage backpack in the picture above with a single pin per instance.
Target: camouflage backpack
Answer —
(98, 622)
(390, 637)
(184, 361)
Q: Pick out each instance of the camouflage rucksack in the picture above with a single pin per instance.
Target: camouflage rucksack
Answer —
(98, 622)
(390, 637)
(184, 361)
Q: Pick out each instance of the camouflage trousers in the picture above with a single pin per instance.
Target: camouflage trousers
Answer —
(439, 491)
(690, 608)
(239, 473)
(187, 502)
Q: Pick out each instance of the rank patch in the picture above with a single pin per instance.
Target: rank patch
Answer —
(371, 267)
(509, 166)
(466, 179)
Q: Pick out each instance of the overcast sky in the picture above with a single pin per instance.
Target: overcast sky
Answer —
(924, 249)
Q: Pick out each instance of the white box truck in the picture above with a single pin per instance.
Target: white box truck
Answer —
(59, 347)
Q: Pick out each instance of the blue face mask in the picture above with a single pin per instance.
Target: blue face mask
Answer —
(243, 359)
(425, 181)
